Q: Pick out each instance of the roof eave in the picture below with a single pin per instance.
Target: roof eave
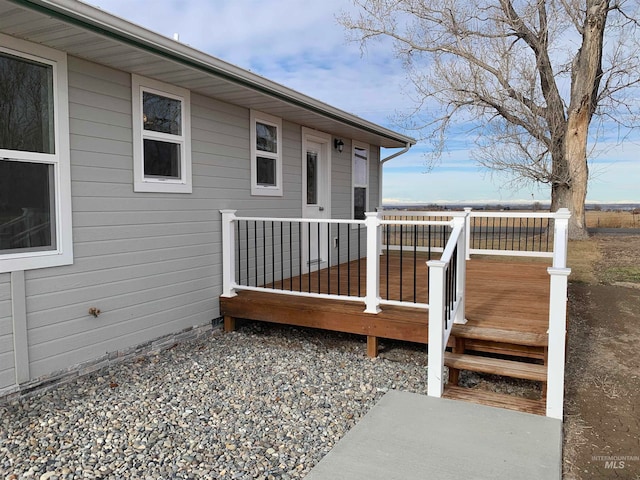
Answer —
(112, 26)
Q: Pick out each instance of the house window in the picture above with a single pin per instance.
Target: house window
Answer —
(360, 178)
(35, 192)
(266, 154)
(161, 137)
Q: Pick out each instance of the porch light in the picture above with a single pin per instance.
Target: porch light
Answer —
(338, 144)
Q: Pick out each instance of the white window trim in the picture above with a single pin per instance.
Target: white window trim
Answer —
(364, 146)
(61, 160)
(162, 185)
(272, 191)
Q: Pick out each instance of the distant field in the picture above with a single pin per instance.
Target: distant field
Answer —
(594, 218)
(615, 219)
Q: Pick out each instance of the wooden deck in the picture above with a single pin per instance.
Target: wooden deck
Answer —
(507, 305)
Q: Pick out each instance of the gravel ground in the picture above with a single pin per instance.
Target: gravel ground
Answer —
(264, 402)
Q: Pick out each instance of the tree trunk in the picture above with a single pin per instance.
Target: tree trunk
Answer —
(572, 192)
(585, 80)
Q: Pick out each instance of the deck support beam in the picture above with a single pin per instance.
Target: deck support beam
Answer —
(372, 346)
(229, 323)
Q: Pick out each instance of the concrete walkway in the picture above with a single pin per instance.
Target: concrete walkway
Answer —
(409, 436)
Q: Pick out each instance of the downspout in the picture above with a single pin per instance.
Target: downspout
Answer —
(380, 165)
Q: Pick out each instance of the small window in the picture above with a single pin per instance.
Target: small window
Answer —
(35, 192)
(162, 150)
(360, 177)
(266, 154)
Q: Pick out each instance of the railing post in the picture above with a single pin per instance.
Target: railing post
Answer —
(228, 253)
(435, 368)
(461, 274)
(372, 299)
(467, 228)
(560, 237)
(380, 211)
(557, 339)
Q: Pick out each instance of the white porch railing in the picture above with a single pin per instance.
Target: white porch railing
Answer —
(539, 234)
(280, 243)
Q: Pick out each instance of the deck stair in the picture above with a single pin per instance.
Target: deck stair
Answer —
(493, 399)
(496, 366)
(524, 365)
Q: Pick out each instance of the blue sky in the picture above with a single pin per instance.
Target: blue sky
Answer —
(300, 45)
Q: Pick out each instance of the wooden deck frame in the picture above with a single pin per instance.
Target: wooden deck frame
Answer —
(507, 309)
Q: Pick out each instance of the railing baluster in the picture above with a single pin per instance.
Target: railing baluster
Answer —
(309, 256)
(359, 259)
(349, 259)
(401, 260)
(415, 260)
(291, 256)
(300, 256)
(328, 258)
(239, 252)
(387, 260)
(246, 232)
(264, 253)
(338, 254)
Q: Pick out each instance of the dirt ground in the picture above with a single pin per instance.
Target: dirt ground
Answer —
(602, 401)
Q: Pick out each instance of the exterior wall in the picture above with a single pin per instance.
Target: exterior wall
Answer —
(7, 361)
(150, 262)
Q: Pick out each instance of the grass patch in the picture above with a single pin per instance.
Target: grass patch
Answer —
(621, 274)
(583, 255)
(616, 219)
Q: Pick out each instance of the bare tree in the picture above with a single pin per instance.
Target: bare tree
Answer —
(528, 76)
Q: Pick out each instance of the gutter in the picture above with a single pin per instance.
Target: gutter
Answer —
(98, 21)
(406, 148)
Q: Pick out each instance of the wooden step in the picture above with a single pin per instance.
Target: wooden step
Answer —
(534, 339)
(493, 399)
(496, 366)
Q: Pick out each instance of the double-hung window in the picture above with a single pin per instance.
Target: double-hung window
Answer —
(360, 180)
(35, 187)
(266, 154)
(161, 137)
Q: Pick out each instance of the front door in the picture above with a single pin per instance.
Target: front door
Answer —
(316, 201)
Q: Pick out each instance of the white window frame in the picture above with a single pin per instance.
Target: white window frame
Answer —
(354, 184)
(60, 159)
(266, 190)
(184, 184)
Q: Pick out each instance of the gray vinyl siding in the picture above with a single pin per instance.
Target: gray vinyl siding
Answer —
(150, 262)
(7, 360)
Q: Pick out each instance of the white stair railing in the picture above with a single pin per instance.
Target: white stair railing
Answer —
(446, 302)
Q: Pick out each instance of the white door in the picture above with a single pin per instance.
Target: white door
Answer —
(316, 201)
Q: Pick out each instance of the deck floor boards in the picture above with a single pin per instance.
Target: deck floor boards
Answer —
(502, 296)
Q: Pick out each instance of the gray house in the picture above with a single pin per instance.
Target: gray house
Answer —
(118, 149)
